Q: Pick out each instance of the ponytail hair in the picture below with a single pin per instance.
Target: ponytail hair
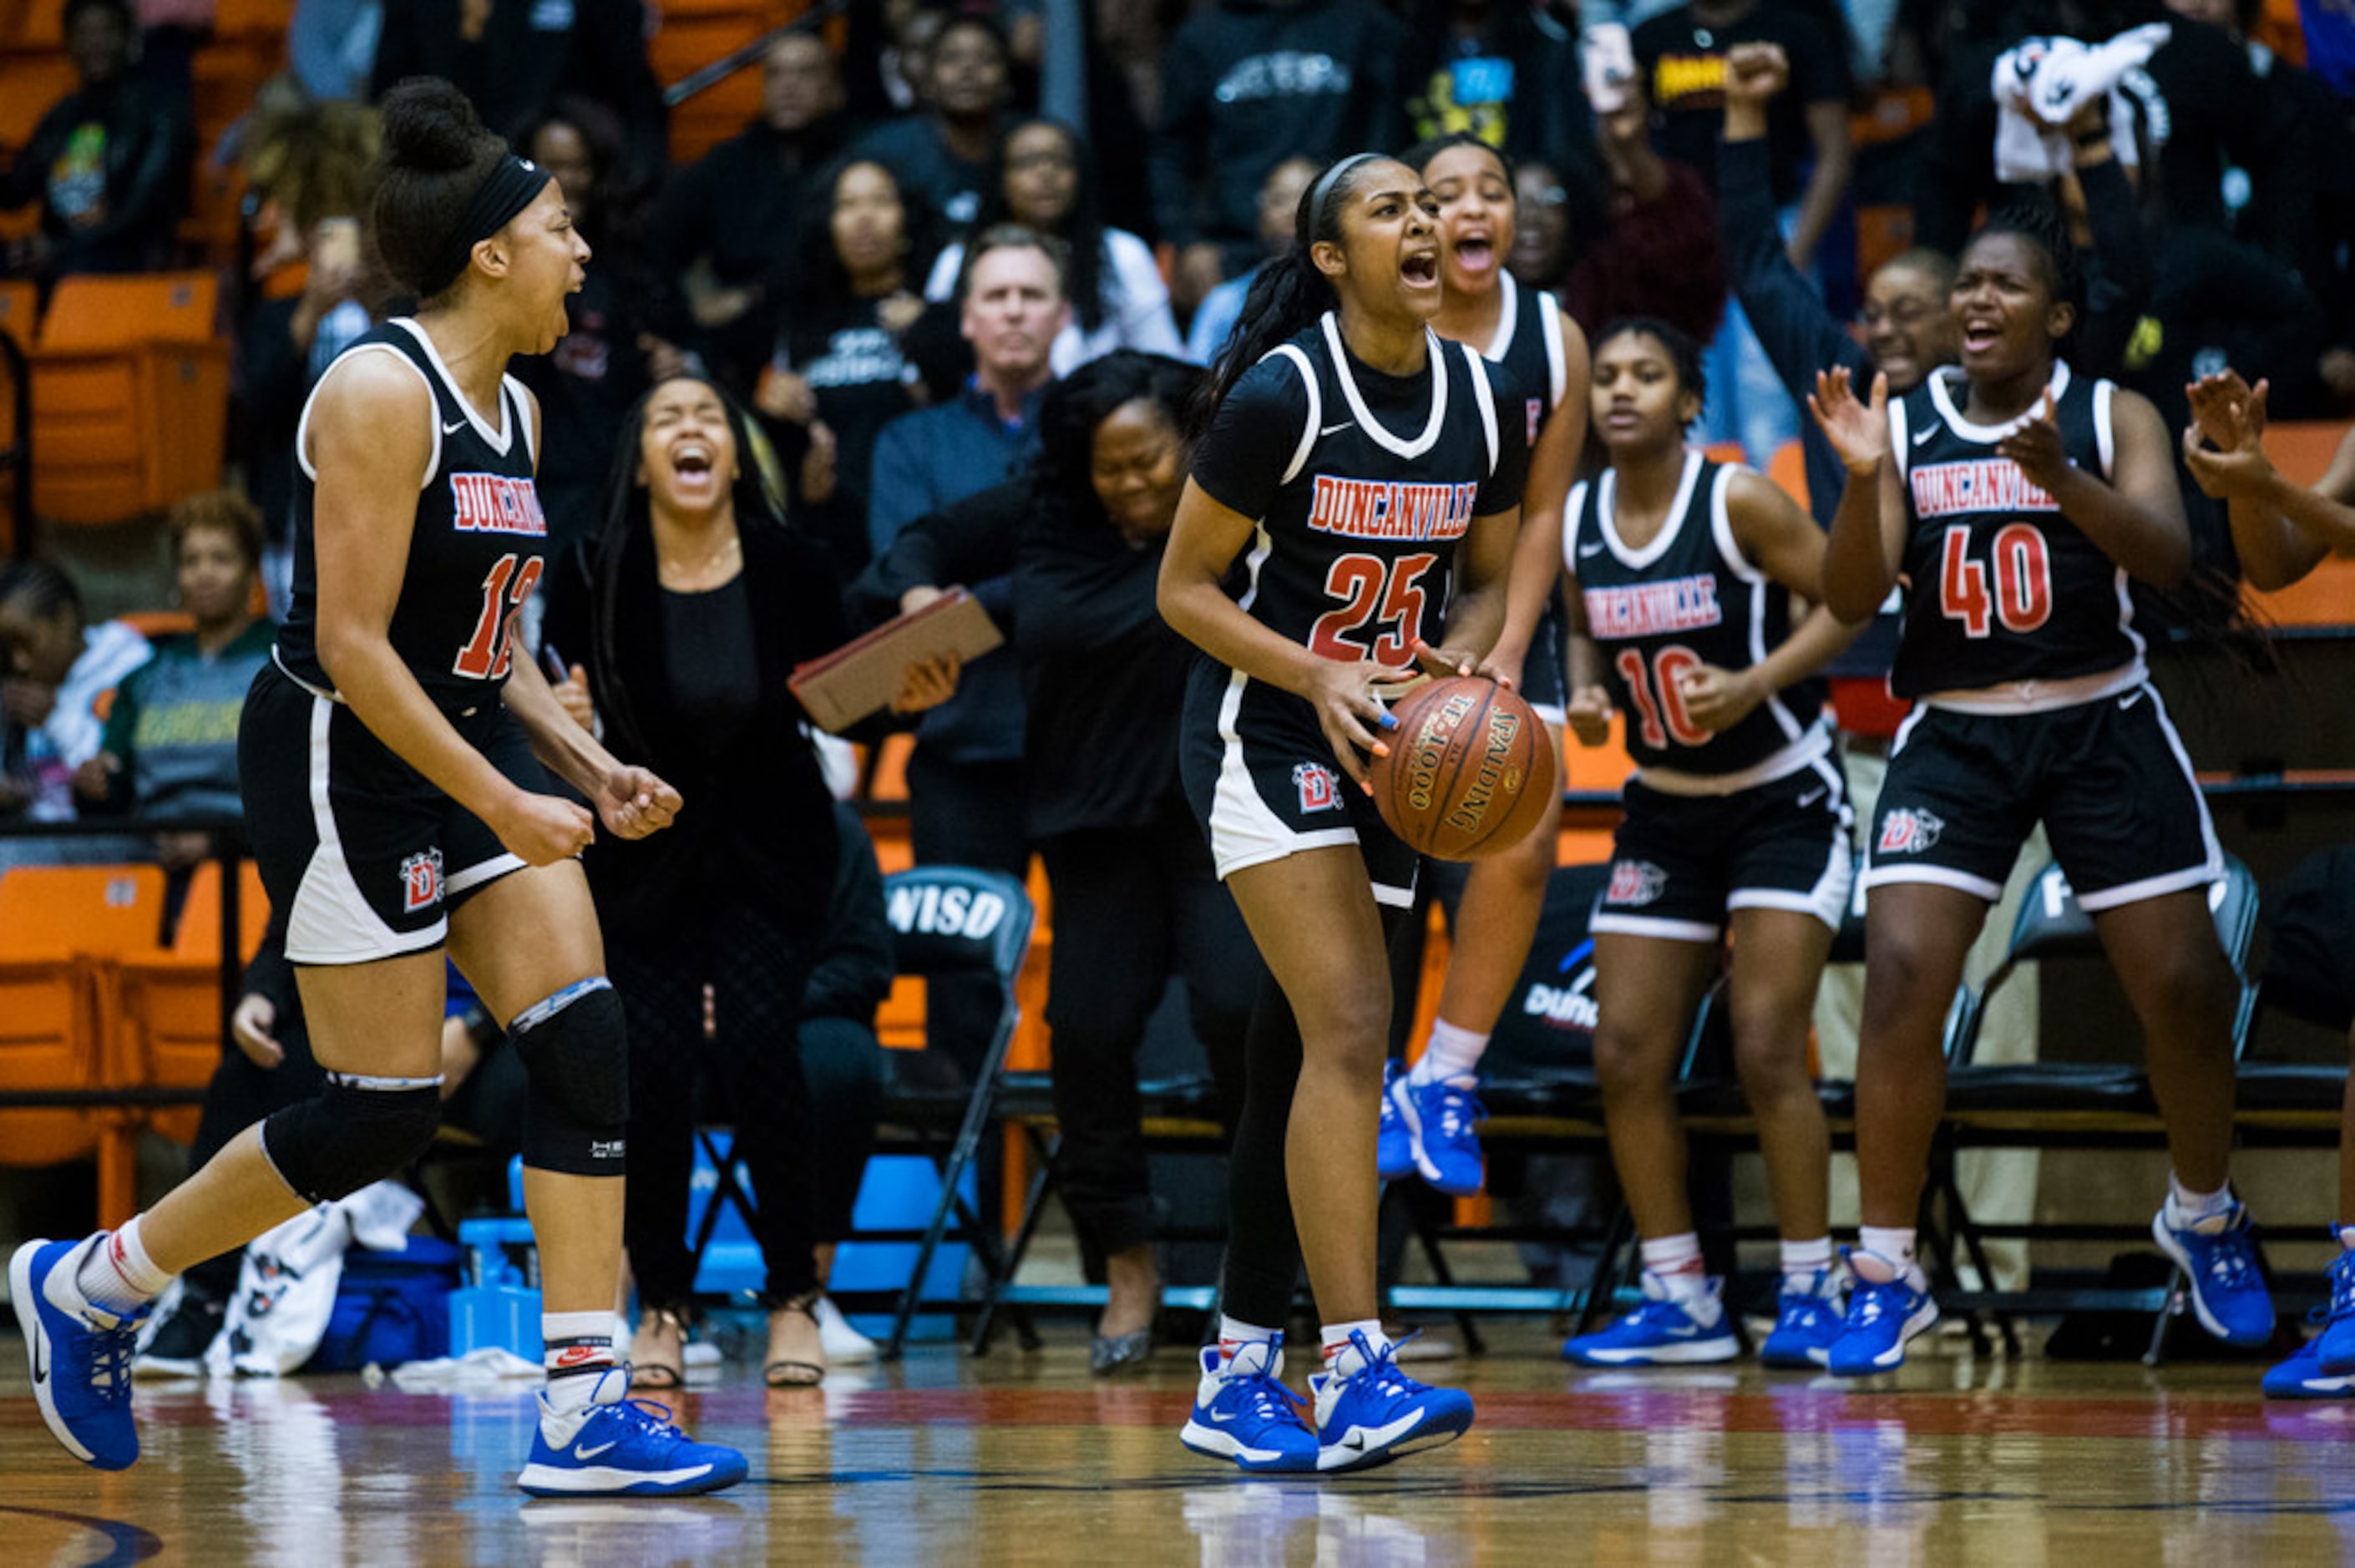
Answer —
(1286, 294)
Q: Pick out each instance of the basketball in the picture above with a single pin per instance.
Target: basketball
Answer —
(1470, 768)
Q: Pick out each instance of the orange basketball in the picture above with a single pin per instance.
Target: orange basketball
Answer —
(1470, 768)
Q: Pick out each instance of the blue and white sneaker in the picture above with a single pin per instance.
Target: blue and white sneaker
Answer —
(1806, 1324)
(80, 1355)
(1883, 1316)
(1242, 1411)
(2336, 1345)
(1378, 1413)
(619, 1447)
(1439, 1117)
(2218, 1255)
(2302, 1377)
(1664, 1332)
(1393, 1146)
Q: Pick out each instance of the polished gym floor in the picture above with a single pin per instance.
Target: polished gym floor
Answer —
(1022, 1459)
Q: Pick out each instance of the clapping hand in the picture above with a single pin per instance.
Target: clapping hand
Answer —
(1858, 431)
(2035, 446)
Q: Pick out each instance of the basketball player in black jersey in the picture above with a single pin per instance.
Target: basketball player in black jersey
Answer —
(2281, 531)
(1355, 500)
(1429, 1113)
(2017, 497)
(1681, 576)
(391, 759)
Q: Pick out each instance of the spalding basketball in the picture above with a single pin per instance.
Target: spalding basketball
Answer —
(1469, 771)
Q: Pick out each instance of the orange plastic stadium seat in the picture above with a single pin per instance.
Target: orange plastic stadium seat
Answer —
(130, 395)
(262, 20)
(1788, 468)
(1604, 766)
(2325, 597)
(168, 1029)
(32, 25)
(686, 37)
(1883, 233)
(20, 310)
(48, 1041)
(1724, 451)
(32, 80)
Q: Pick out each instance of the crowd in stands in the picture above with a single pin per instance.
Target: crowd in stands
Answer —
(904, 312)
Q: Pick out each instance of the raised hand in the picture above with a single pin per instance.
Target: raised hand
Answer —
(2226, 410)
(2036, 446)
(1858, 431)
(1755, 72)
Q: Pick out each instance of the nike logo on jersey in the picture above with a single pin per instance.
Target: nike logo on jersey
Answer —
(1586, 550)
(2129, 700)
(1922, 438)
(584, 1453)
(1811, 796)
(453, 427)
(1336, 429)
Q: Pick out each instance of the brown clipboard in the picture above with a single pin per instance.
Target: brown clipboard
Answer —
(863, 675)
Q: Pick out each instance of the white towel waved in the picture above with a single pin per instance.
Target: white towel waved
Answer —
(2041, 82)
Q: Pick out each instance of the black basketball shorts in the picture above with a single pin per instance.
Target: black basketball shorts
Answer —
(1261, 777)
(2109, 780)
(1680, 863)
(363, 857)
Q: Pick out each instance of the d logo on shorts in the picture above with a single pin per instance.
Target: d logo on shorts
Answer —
(421, 881)
(1320, 791)
(1907, 830)
(1634, 882)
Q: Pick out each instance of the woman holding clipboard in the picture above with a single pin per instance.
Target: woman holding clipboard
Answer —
(693, 605)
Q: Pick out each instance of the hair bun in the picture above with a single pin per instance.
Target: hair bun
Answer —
(428, 126)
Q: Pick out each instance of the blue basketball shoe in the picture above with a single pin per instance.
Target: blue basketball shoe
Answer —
(80, 1355)
(1439, 1117)
(619, 1447)
(1663, 1331)
(1242, 1411)
(1806, 1324)
(2336, 1345)
(2302, 1377)
(1393, 1146)
(2218, 1255)
(1883, 1315)
(1376, 1412)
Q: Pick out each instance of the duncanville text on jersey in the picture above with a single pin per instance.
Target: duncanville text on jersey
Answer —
(1389, 509)
(494, 503)
(1650, 610)
(1978, 484)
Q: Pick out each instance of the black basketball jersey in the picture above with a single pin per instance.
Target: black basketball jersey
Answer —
(1362, 485)
(2002, 587)
(1528, 344)
(1688, 598)
(475, 555)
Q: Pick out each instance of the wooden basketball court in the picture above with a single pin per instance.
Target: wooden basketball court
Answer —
(1017, 1459)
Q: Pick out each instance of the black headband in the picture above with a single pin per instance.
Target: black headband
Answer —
(513, 185)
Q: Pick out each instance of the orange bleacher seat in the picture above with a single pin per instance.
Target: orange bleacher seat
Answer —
(2326, 597)
(1883, 233)
(19, 311)
(1600, 768)
(168, 1003)
(32, 81)
(689, 35)
(32, 23)
(264, 19)
(1725, 452)
(130, 395)
(1788, 468)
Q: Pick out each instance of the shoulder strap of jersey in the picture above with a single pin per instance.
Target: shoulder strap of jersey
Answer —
(1573, 520)
(1294, 353)
(519, 405)
(1901, 446)
(1476, 370)
(1716, 495)
(368, 345)
(1557, 352)
(2105, 434)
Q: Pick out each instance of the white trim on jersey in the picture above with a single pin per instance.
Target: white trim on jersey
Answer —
(1482, 397)
(513, 390)
(1899, 447)
(1433, 427)
(504, 440)
(1315, 411)
(1653, 926)
(303, 423)
(1509, 319)
(1262, 545)
(1606, 515)
(1557, 349)
(1572, 508)
(2104, 439)
(331, 923)
(1989, 434)
(1729, 550)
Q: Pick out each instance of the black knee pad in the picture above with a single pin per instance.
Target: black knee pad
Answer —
(354, 1132)
(577, 1050)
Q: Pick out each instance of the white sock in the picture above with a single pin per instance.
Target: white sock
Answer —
(1667, 1255)
(1802, 1260)
(1886, 1250)
(578, 1353)
(116, 1276)
(1341, 1357)
(1450, 1052)
(1235, 1336)
(2186, 1208)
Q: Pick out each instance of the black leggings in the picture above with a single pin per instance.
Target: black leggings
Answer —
(758, 973)
(1132, 907)
(1263, 1241)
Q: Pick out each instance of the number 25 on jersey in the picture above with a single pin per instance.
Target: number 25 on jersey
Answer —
(1372, 590)
(2021, 596)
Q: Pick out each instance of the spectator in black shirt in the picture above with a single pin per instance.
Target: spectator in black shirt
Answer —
(1246, 84)
(108, 163)
(947, 150)
(727, 220)
(512, 58)
(838, 375)
(1504, 72)
(1135, 900)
